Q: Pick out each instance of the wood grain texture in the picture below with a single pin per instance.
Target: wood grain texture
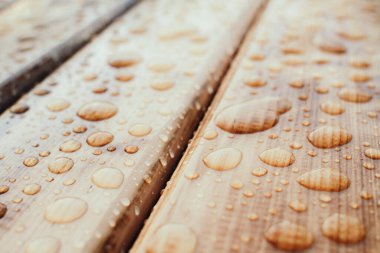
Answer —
(247, 188)
(37, 36)
(85, 154)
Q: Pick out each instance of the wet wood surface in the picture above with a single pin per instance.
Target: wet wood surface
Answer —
(37, 36)
(286, 158)
(85, 153)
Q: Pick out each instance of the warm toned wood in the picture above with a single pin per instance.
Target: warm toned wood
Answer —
(151, 74)
(326, 47)
(36, 36)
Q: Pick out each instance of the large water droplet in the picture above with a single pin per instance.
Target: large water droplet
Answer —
(109, 178)
(60, 165)
(289, 236)
(354, 95)
(31, 189)
(372, 153)
(97, 110)
(329, 137)
(252, 116)
(139, 130)
(70, 146)
(223, 159)
(65, 210)
(324, 180)
(332, 108)
(124, 59)
(277, 157)
(58, 105)
(173, 238)
(99, 139)
(343, 228)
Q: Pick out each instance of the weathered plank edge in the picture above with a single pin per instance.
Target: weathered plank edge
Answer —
(12, 88)
(125, 233)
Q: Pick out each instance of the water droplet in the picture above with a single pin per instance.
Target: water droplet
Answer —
(70, 146)
(372, 153)
(58, 105)
(131, 149)
(297, 206)
(331, 46)
(97, 110)
(173, 238)
(19, 108)
(332, 108)
(354, 95)
(343, 228)
(324, 180)
(162, 85)
(99, 139)
(3, 210)
(139, 130)
(124, 59)
(255, 81)
(289, 236)
(108, 178)
(252, 116)
(277, 157)
(65, 210)
(223, 159)
(4, 189)
(259, 172)
(60, 165)
(210, 135)
(30, 161)
(31, 189)
(43, 245)
(161, 67)
(329, 137)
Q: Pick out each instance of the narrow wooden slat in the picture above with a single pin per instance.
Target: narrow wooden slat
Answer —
(85, 154)
(302, 95)
(36, 36)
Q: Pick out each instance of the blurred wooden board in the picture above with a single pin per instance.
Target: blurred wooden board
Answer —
(5, 3)
(227, 195)
(36, 36)
(112, 121)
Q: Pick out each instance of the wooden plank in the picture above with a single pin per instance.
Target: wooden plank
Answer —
(35, 42)
(5, 3)
(290, 105)
(86, 153)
